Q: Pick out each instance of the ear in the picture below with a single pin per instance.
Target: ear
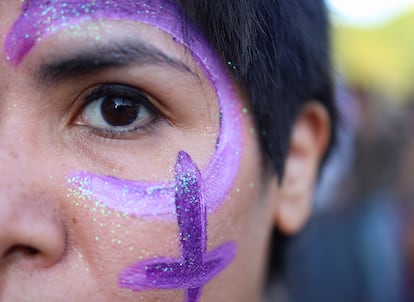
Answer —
(309, 140)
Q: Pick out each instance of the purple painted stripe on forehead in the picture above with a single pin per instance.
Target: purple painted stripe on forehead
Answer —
(40, 18)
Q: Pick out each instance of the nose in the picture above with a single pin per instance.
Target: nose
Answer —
(30, 234)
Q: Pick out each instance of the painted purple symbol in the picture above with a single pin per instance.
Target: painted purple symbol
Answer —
(41, 19)
(196, 266)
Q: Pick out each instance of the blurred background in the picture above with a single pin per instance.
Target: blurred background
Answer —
(359, 245)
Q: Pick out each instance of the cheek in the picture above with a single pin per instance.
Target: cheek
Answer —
(104, 244)
(194, 266)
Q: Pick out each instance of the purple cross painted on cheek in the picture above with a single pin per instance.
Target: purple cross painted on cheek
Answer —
(195, 267)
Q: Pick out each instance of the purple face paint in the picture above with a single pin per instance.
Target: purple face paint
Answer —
(190, 196)
(42, 18)
(196, 266)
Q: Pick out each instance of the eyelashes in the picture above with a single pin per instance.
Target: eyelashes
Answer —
(117, 111)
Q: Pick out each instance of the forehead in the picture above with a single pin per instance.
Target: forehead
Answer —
(39, 18)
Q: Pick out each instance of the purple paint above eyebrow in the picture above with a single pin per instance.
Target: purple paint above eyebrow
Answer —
(40, 18)
(196, 266)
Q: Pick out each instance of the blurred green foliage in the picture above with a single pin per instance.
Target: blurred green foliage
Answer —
(379, 58)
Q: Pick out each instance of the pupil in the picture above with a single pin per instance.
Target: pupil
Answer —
(119, 112)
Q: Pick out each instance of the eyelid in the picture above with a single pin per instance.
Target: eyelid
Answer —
(155, 105)
(96, 92)
(90, 94)
(115, 89)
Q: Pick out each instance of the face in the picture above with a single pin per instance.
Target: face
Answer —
(130, 164)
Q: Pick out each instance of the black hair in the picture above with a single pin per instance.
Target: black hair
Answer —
(278, 51)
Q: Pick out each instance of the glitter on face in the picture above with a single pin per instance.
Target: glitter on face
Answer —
(190, 196)
(195, 267)
(42, 18)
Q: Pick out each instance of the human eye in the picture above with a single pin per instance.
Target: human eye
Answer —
(117, 111)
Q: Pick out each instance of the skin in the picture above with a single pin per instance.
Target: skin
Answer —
(53, 245)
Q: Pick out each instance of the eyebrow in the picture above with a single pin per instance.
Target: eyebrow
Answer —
(99, 57)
